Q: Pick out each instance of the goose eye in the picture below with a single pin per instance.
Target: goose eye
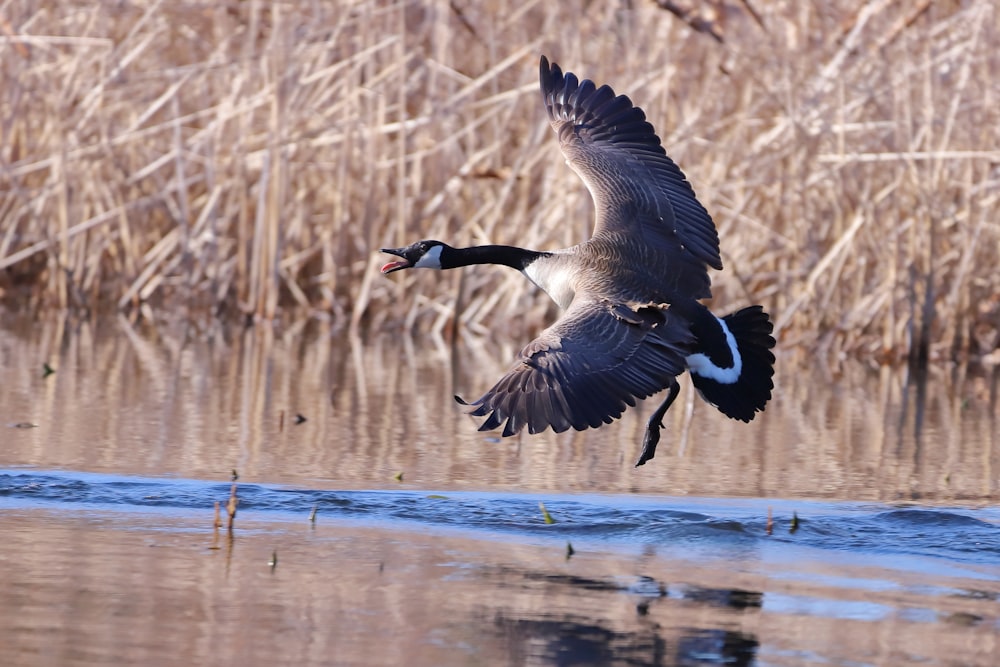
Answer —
(423, 247)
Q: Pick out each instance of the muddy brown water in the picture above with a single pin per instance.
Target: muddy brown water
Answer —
(429, 546)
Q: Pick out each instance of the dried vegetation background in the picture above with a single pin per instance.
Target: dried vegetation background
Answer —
(250, 158)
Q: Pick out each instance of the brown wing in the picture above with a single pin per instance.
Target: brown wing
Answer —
(586, 368)
(637, 189)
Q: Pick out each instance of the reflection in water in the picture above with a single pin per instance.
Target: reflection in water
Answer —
(198, 403)
(719, 647)
(569, 641)
(915, 383)
(575, 638)
(724, 597)
(147, 586)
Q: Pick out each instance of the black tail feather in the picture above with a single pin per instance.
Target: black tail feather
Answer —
(750, 392)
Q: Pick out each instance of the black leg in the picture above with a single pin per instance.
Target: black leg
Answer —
(654, 425)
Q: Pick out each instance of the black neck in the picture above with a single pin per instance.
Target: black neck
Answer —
(511, 256)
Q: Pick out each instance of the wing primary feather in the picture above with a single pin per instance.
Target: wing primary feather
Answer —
(610, 144)
(582, 92)
(492, 422)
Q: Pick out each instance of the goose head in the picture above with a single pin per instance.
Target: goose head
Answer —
(420, 255)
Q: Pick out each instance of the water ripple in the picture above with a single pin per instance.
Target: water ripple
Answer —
(728, 525)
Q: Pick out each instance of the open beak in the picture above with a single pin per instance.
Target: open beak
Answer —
(396, 266)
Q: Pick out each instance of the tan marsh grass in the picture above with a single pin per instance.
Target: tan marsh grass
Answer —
(250, 158)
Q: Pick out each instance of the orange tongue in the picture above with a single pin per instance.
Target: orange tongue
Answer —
(393, 265)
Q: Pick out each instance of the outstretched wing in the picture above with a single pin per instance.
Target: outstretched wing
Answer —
(638, 191)
(586, 368)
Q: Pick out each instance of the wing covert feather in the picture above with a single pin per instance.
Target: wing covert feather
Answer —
(584, 370)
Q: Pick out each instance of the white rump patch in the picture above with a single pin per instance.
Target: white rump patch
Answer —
(700, 364)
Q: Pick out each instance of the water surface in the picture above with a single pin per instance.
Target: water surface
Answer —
(193, 403)
(854, 523)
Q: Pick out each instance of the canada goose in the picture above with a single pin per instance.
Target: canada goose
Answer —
(633, 321)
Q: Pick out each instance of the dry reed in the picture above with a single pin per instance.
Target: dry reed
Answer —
(250, 158)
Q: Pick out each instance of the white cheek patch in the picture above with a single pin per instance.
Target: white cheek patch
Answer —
(431, 259)
(700, 364)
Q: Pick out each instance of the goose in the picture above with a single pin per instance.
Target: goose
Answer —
(633, 320)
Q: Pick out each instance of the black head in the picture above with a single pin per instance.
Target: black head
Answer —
(420, 255)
